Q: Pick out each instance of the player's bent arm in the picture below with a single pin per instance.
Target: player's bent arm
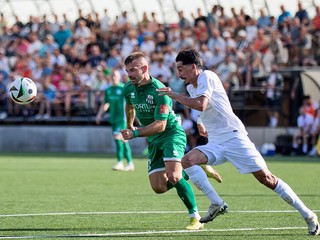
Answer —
(130, 114)
(199, 103)
(157, 126)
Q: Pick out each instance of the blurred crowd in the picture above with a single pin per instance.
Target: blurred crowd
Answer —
(71, 61)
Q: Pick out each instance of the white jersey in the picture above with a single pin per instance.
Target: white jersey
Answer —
(219, 119)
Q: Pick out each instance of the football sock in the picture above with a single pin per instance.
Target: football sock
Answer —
(199, 178)
(119, 149)
(186, 194)
(127, 151)
(288, 195)
(185, 175)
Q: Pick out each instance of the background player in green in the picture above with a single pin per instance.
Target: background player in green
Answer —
(114, 101)
(166, 138)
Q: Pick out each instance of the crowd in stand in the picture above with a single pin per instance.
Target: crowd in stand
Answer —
(71, 61)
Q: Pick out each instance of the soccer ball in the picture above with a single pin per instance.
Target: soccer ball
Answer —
(23, 90)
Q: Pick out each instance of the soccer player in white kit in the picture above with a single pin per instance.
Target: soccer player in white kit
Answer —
(227, 139)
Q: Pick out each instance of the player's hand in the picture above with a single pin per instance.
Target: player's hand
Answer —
(202, 131)
(166, 91)
(127, 134)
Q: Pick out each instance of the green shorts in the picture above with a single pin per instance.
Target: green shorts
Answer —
(116, 127)
(171, 148)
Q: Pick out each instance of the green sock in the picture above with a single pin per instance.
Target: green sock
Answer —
(185, 175)
(185, 193)
(119, 149)
(127, 152)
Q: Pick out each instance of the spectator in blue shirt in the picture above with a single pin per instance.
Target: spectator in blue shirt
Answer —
(62, 36)
(284, 15)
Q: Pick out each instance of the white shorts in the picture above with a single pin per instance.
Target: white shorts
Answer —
(240, 152)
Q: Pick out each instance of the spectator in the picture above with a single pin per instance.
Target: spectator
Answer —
(261, 44)
(207, 56)
(199, 17)
(48, 46)
(34, 44)
(183, 21)
(95, 57)
(216, 41)
(114, 60)
(3, 98)
(304, 123)
(263, 20)
(273, 87)
(227, 72)
(284, 15)
(158, 68)
(148, 44)
(251, 29)
(308, 105)
(57, 58)
(82, 30)
(4, 61)
(302, 14)
(242, 42)
(251, 66)
(46, 98)
(62, 36)
(315, 134)
(129, 42)
(278, 51)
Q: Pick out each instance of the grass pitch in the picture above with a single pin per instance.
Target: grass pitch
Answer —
(65, 196)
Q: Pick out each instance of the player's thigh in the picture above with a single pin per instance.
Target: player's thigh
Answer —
(194, 157)
(242, 153)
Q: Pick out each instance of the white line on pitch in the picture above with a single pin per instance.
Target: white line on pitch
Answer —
(114, 234)
(137, 212)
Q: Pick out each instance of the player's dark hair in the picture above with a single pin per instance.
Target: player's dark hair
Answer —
(190, 56)
(132, 57)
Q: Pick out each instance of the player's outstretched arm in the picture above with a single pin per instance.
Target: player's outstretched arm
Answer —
(199, 103)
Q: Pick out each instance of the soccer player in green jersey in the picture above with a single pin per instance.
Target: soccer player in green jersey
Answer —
(114, 101)
(166, 138)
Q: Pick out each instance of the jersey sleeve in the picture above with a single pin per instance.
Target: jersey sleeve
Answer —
(163, 108)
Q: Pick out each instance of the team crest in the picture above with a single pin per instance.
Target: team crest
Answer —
(132, 95)
(149, 99)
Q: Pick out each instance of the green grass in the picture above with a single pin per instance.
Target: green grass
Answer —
(64, 196)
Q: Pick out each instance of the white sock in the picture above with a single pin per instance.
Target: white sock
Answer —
(195, 215)
(288, 195)
(199, 178)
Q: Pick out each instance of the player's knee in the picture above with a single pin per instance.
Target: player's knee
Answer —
(173, 177)
(187, 161)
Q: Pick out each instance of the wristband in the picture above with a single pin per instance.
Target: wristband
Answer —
(135, 133)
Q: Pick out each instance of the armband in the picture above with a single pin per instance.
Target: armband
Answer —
(135, 133)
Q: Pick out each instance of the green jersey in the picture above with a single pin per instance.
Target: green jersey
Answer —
(114, 96)
(149, 107)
